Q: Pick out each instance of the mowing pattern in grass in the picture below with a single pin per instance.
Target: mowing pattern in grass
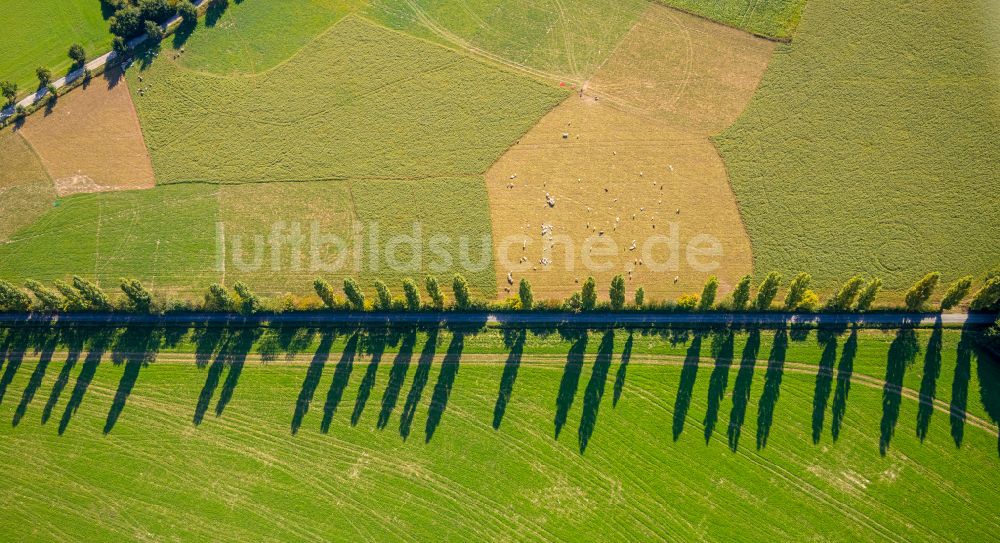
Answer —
(394, 437)
(769, 18)
(380, 224)
(164, 236)
(39, 33)
(26, 191)
(250, 37)
(359, 102)
(567, 40)
(168, 236)
(870, 146)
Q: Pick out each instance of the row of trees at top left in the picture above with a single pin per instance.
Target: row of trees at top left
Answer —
(133, 17)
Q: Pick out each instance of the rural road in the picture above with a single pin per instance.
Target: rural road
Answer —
(94, 64)
(595, 319)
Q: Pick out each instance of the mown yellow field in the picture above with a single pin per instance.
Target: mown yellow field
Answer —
(621, 178)
(90, 141)
(25, 189)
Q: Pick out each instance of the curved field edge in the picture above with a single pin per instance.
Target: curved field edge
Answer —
(285, 458)
(865, 149)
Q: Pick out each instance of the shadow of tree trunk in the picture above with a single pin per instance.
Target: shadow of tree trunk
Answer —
(137, 347)
(397, 375)
(741, 389)
(100, 340)
(46, 348)
(844, 371)
(594, 392)
(902, 353)
(622, 369)
(824, 381)
(341, 377)
(514, 338)
(928, 383)
(571, 377)
(686, 387)
(420, 378)
(960, 385)
(375, 347)
(311, 381)
(722, 350)
(772, 387)
(445, 381)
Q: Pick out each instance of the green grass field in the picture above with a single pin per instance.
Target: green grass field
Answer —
(559, 39)
(426, 112)
(768, 18)
(39, 33)
(869, 146)
(168, 236)
(462, 438)
(252, 37)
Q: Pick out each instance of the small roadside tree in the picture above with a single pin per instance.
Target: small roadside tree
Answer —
(249, 302)
(355, 297)
(956, 292)
(434, 291)
(153, 30)
(741, 294)
(73, 300)
(218, 299)
(137, 297)
(868, 295)
(13, 298)
(987, 297)
(525, 295)
(921, 291)
(617, 292)
(588, 294)
(187, 11)
(48, 299)
(845, 298)
(94, 297)
(325, 293)
(119, 46)
(708, 294)
(412, 294)
(44, 76)
(9, 91)
(77, 54)
(383, 298)
(640, 297)
(687, 302)
(461, 290)
(797, 290)
(126, 22)
(767, 291)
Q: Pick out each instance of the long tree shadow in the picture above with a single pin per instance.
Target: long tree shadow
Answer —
(374, 346)
(16, 343)
(513, 338)
(622, 370)
(445, 381)
(341, 377)
(902, 353)
(824, 380)
(844, 371)
(594, 392)
(772, 387)
(313, 374)
(99, 343)
(571, 375)
(686, 387)
(206, 341)
(236, 356)
(74, 339)
(136, 347)
(397, 375)
(928, 384)
(420, 378)
(988, 372)
(722, 350)
(741, 389)
(46, 346)
(234, 345)
(960, 385)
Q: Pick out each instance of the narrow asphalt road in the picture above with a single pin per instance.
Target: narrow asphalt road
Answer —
(595, 319)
